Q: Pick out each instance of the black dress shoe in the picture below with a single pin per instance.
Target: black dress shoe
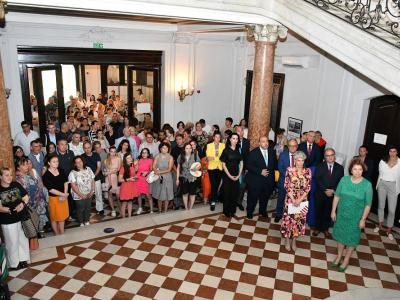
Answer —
(240, 206)
(277, 219)
(315, 232)
(264, 215)
(249, 216)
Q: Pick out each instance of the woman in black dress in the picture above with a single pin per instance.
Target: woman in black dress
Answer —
(232, 164)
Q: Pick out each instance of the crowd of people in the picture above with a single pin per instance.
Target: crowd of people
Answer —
(85, 161)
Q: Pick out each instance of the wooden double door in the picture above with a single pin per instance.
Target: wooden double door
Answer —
(382, 130)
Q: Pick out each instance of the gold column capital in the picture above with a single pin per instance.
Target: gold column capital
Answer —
(266, 33)
(3, 5)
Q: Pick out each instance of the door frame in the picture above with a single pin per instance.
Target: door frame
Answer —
(38, 91)
(278, 78)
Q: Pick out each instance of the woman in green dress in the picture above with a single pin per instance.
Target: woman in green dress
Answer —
(353, 198)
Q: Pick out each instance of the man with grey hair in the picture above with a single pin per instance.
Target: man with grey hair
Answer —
(327, 177)
(286, 159)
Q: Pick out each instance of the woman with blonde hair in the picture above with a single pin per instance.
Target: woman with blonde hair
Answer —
(112, 165)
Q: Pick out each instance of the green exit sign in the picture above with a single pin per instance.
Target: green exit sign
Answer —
(98, 45)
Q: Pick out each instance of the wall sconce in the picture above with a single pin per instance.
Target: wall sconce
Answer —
(8, 92)
(182, 93)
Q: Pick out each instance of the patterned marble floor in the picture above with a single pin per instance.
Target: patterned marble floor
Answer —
(207, 258)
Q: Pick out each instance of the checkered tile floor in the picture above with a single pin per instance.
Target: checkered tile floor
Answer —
(208, 258)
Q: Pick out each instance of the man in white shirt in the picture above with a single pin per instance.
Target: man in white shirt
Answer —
(150, 144)
(25, 137)
(206, 127)
(76, 146)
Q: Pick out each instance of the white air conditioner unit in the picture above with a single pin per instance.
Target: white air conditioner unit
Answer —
(300, 62)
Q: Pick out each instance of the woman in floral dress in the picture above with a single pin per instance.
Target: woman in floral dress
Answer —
(297, 185)
(33, 185)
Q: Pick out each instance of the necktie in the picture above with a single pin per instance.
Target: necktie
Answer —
(309, 150)
(330, 170)
(291, 160)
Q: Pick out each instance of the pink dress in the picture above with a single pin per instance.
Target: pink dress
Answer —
(144, 166)
(128, 188)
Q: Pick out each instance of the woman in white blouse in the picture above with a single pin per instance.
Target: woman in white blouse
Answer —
(388, 188)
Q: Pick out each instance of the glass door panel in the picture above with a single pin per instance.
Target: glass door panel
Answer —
(141, 85)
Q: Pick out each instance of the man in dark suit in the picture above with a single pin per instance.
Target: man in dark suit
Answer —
(327, 177)
(286, 159)
(244, 148)
(260, 177)
(363, 155)
(311, 150)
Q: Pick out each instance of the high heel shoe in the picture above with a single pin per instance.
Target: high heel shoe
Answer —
(342, 269)
(334, 265)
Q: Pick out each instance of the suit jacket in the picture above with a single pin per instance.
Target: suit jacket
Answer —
(314, 158)
(245, 149)
(283, 164)
(37, 165)
(370, 168)
(255, 164)
(324, 180)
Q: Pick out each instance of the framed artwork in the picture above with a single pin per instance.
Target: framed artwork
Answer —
(294, 127)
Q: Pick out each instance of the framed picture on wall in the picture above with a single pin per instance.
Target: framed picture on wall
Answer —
(294, 127)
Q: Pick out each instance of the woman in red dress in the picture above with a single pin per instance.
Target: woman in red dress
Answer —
(144, 165)
(128, 179)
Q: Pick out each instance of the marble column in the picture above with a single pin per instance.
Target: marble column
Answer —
(6, 151)
(265, 37)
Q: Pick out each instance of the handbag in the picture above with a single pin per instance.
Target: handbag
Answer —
(152, 177)
(3, 263)
(33, 243)
(105, 187)
(30, 224)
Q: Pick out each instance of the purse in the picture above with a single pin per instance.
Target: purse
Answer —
(105, 187)
(152, 177)
(34, 244)
(30, 224)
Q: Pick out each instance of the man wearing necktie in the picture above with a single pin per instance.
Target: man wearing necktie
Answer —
(260, 178)
(286, 159)
(327, 177)
(313, 159)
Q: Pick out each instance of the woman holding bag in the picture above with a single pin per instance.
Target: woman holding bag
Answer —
(28, 178)
(186, 181)
(13, 198)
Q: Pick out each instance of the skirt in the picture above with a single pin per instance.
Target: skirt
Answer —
(58, 210)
